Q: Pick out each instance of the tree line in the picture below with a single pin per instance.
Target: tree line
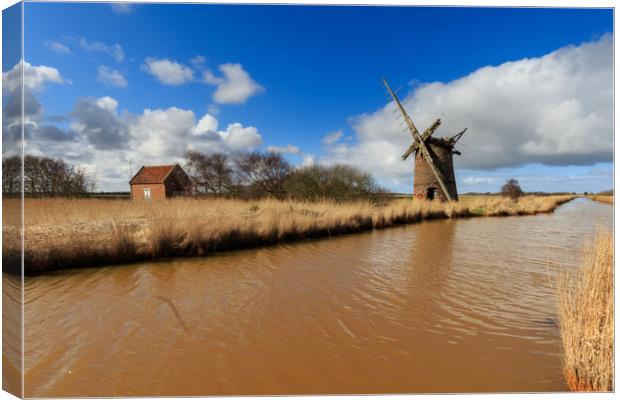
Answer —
(259, 174)
(241, 175)
(43, 176)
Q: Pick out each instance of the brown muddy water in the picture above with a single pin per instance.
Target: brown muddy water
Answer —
(441, 306)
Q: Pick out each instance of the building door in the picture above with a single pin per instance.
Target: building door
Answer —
(430, 193)
(147, 194)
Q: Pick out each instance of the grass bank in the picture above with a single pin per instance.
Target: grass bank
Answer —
(61, 233)
(602, 198)
(586, 315)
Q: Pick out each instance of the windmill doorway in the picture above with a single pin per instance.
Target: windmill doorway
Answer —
(430, 193)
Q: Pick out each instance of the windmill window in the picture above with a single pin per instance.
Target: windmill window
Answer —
(430, 193)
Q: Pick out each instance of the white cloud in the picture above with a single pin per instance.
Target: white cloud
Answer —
(35, 77)
(103, 139)
(111, 76)
(332, 137)
(556, 110)
(122, 8)
(108, 103)
(238, 137)
(208, 123)
(161, 133)
(58, 47)
(115, 51)
(288, 149)
(235, 87)
(168, 72)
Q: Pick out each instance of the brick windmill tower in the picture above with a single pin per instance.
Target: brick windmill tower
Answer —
(433, 176)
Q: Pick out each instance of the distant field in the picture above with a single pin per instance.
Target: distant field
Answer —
(63, 233)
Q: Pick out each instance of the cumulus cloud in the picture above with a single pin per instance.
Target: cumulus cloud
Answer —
(555, 110)
(97, 122)
(235, 87)
(58, 47)
(115, 51)
(165, 135)
(35, 130)
(159, 133)
(237, 137)
(111, 76)
(288, 149)
(103, 140)
(168, 72)
(208, 123)
(35, 77)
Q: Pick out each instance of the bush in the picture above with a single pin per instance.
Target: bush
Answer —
(512, 189)
(338, 183)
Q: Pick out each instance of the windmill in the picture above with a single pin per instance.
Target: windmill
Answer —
(433, 159)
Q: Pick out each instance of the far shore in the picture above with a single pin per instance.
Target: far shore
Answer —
(602, 198)
(80, 233)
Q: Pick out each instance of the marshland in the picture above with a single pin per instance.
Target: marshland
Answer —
(499, 297)
(383, 310)
(70, 233)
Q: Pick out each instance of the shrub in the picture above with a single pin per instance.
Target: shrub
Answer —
(512, 189)
(338, 183)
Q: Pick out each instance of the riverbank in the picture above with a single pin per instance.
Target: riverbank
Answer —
(602, 198)
(586, 315)
(61, 233)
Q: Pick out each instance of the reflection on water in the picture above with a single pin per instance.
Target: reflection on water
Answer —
(11, 334)
(442, 306)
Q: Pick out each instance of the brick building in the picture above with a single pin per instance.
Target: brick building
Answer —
(160, 182)
(425, 184)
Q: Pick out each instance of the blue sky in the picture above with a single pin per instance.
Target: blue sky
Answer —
(144, 83)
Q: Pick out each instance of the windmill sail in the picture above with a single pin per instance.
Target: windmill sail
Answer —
(419, 142)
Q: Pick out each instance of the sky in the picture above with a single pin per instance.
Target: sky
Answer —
(111, 87)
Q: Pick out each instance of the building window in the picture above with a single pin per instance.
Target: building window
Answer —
(147, 194)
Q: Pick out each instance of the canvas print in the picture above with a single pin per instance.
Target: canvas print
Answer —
(241, 199)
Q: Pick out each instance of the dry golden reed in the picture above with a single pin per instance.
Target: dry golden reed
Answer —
(586, 315)
(603, 198)
(63, 233)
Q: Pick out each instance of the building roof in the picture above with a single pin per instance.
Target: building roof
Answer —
(152, 174)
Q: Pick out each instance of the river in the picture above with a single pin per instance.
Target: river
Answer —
(441, 306)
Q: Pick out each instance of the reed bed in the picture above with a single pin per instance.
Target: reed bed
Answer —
(586, 315)
(603, 198)
(63, 233)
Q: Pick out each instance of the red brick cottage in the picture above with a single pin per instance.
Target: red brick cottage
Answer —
(160, 182)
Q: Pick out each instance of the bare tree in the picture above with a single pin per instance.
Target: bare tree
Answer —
(512, 189)
(48, 176)
(11, 174)
(211, 172)
(266, 172)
